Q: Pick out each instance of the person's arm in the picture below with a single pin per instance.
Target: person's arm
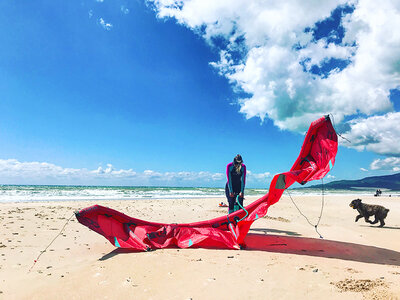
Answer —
(243, 178)
(228, 175)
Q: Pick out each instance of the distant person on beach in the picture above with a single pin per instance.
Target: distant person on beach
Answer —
(236, 175)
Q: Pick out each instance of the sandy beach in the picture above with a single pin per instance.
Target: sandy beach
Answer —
(284, 259)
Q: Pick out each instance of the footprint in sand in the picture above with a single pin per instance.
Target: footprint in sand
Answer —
(350, 270)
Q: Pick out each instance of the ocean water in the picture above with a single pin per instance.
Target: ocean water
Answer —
(29, 193)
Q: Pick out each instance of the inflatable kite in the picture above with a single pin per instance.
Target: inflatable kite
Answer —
(316, 159)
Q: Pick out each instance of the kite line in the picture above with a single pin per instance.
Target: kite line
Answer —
(320, 215)
(43, 251)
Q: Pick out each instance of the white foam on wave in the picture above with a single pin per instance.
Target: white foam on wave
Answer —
(69, 193)
(9, 193)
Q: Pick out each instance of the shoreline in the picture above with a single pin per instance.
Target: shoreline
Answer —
(254, 197)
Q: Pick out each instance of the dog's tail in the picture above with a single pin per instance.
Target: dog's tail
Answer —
(385, 212)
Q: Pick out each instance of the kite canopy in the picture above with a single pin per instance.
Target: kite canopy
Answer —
(316, 159)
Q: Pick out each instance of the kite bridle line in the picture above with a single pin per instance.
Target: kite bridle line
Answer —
(322, 189)
(334, 127)
(322, 208)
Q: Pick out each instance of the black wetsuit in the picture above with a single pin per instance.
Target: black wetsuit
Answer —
(235, 185)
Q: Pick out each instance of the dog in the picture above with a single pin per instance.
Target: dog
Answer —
(367, 210)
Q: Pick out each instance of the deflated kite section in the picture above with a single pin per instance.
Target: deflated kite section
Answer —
(316, 159)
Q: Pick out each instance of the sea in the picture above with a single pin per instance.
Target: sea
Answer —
(38, 193)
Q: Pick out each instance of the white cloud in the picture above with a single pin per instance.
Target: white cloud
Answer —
(124, 10)
(363, 169)
(12, 168)
(14, 171)
(104, 24)
(379, 134)
(275, 46)
(389, 163)
(261, 177)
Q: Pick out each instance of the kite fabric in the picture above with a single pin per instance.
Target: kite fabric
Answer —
(316, 159)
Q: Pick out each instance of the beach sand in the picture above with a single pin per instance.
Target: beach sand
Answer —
(285, 258)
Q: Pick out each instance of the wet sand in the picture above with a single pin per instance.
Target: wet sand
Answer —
(284, 259)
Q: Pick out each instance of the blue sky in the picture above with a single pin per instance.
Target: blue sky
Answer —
(154, 93)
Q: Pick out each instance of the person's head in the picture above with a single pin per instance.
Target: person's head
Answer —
(237, 161)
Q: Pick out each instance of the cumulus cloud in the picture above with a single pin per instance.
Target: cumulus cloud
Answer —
(271, 52)
(262, 177)
(363, 169)
(110, 172)
(12, 168)
(379, 134)
(104, 24)
(389, 163)
(14, 171)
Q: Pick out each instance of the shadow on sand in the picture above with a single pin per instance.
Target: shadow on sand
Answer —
(118, 251)
(381, 228)
(307, 246)
(321, 248)
(270, 230)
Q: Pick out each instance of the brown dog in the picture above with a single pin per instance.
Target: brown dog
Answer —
(367, 210)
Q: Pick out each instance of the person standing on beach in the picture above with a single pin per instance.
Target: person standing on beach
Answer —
(236, 175)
